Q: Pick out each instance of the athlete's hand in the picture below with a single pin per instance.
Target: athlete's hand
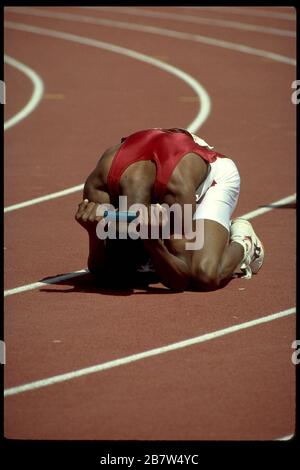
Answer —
(89, 214)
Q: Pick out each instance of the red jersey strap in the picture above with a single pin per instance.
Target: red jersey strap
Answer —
(165, 147)
(177, 148)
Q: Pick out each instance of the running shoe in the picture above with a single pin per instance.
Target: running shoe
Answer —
(241, 231)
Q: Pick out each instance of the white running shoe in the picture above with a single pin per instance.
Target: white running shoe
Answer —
(241, 231)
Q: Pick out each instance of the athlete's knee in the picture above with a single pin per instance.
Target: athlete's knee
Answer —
(206, 275)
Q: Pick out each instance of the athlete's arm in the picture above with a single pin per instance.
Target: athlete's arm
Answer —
(93, 195)
(95, 189)
(170, 258)
(172, 269)
(87, 215)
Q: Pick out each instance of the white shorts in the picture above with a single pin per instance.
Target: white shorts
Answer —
(218, 195)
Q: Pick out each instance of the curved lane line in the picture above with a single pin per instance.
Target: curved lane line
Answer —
(145, 354)
(285, 438)
(166, 32)
(244, 12)
(195, 19)
(204, 100)
(212, 41)
(123, 361)
(37, 94)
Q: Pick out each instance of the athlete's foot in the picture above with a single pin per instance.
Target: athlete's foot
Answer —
(241, 231)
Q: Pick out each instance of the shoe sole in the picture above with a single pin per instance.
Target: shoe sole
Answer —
(257, 263)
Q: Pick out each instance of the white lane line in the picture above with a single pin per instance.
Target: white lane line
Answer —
(206, 337)
(263, 210)
(285, 438)
(79, 187)
(53, 280)
(169, 33)
(47, 197)
(197, 19)
(191, 127)
(204, 99)
(244, 12)
(37, 94)
(145, 354)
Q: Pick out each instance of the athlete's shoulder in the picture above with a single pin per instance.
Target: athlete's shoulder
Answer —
(141, 132)
(200, 141)
(103, 165)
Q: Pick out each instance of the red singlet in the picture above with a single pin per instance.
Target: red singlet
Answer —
(165, 147)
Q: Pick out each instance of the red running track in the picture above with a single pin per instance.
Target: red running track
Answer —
(240, 386)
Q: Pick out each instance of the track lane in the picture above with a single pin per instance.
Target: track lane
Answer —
(159, 82)
(289, 201)
(272, 286)
(272, 92)
(267, 14)
(24, 87)
(191, 32)
(56, 312)
(243, 383)
(176, 15)
(263, 180)
(35, 98)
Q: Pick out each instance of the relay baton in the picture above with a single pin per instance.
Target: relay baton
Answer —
(120, 216)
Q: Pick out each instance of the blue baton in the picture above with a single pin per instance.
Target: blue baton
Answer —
(120, 216)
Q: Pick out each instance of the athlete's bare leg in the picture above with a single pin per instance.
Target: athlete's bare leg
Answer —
(232, 256)
(214, 265)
